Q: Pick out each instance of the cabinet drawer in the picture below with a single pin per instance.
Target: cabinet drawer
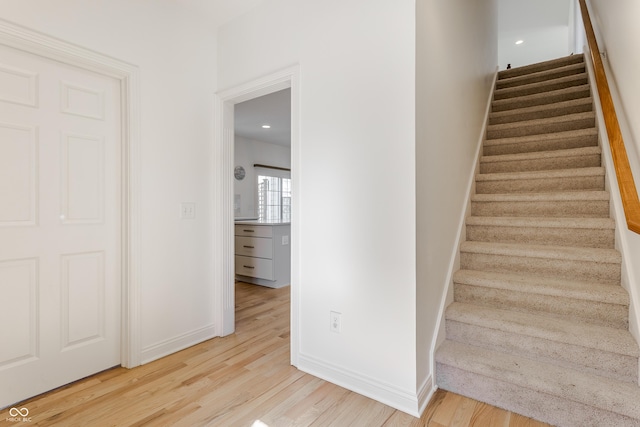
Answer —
(254, 267)
(260, 247)
(254, 230)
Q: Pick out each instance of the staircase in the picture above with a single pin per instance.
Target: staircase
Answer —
(539, 322)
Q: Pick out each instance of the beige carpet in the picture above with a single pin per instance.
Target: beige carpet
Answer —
(539, 322)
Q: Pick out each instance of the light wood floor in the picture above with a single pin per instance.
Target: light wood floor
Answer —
(236, 380)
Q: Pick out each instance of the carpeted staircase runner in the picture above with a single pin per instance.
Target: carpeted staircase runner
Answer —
(539, 322)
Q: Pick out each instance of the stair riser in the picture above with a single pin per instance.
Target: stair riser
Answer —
(561, 268)
(551, 98)
(540, 185)
(496, 119)
(517, 147)
(530, 165)
(589, 360)
(595, 312)
(588, 238)
(540, 67)
(540, 88)
(556, 209)
(551, 409)
(520, 129)
(551, 75)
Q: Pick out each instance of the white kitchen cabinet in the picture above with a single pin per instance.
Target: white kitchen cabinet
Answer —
(263, 253)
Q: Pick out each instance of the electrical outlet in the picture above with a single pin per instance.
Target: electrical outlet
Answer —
(187, 210)
(335, 320)
(285, 240)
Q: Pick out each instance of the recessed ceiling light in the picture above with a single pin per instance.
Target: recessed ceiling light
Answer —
(266, 126)
(520, 42)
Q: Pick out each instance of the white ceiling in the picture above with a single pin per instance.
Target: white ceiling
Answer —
(221, 11)
(527, 15)
(273, 109)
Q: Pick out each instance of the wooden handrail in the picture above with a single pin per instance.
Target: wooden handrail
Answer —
(628, 191)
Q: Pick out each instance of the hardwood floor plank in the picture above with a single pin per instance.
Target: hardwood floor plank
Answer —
(489, 416)
(447, 409)
(464, 413)
(238, 379)
(517, 420)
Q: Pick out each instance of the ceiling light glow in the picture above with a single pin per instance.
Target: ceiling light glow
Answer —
(520, 42)
(266, 126)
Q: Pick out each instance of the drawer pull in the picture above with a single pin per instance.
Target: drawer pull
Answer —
(249, 231)
(249, 266)
(248, 247)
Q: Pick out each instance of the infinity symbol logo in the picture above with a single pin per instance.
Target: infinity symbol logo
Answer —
(14, 412)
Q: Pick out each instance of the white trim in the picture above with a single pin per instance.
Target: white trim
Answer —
(402, 400)
(454, 264)
(425, 393)
(175, 344)
(628, 277)
(224, 297)
(34, 42)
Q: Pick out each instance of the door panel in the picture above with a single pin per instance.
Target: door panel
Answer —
(18, 168)
(60, 213)
(20, 290)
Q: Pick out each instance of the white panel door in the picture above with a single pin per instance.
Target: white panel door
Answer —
(60, 214)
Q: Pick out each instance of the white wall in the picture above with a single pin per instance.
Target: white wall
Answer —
(545, 26)
(456, 61)
(357, 179)
(176, 52)
(539, 45)
(248, 152)
(619, 32)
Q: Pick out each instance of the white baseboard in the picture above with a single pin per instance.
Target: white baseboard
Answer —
(403, 400)
(461, 236)
(175, 344)
(425, 393)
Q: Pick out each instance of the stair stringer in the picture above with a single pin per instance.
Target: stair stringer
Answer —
(454, 264)
(626, 242)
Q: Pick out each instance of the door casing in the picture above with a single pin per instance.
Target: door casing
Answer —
(223, 227)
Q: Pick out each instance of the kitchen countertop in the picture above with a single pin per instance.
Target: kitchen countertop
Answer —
(260, 222)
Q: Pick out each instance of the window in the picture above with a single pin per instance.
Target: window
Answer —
(274, 196)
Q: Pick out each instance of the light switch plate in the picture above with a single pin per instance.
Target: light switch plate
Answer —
(187, 210)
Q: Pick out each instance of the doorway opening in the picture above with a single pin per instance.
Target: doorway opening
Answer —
(224, 197)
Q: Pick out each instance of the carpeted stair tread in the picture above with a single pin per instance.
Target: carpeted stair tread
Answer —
(557, 204)
(567, 262)
(581, 232)
(543, 222)
(556, 174)
(594, 337)
(541, 66)
(555, 381)
(542, 142)
(550, 74)
(563, 123)
(600, 196)
(549, 286)
(581, 301)
(542, 160)
(579, 105)
(570, 152)
(545, 98)
(596, 255)
(591, 178)
(541, 87)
